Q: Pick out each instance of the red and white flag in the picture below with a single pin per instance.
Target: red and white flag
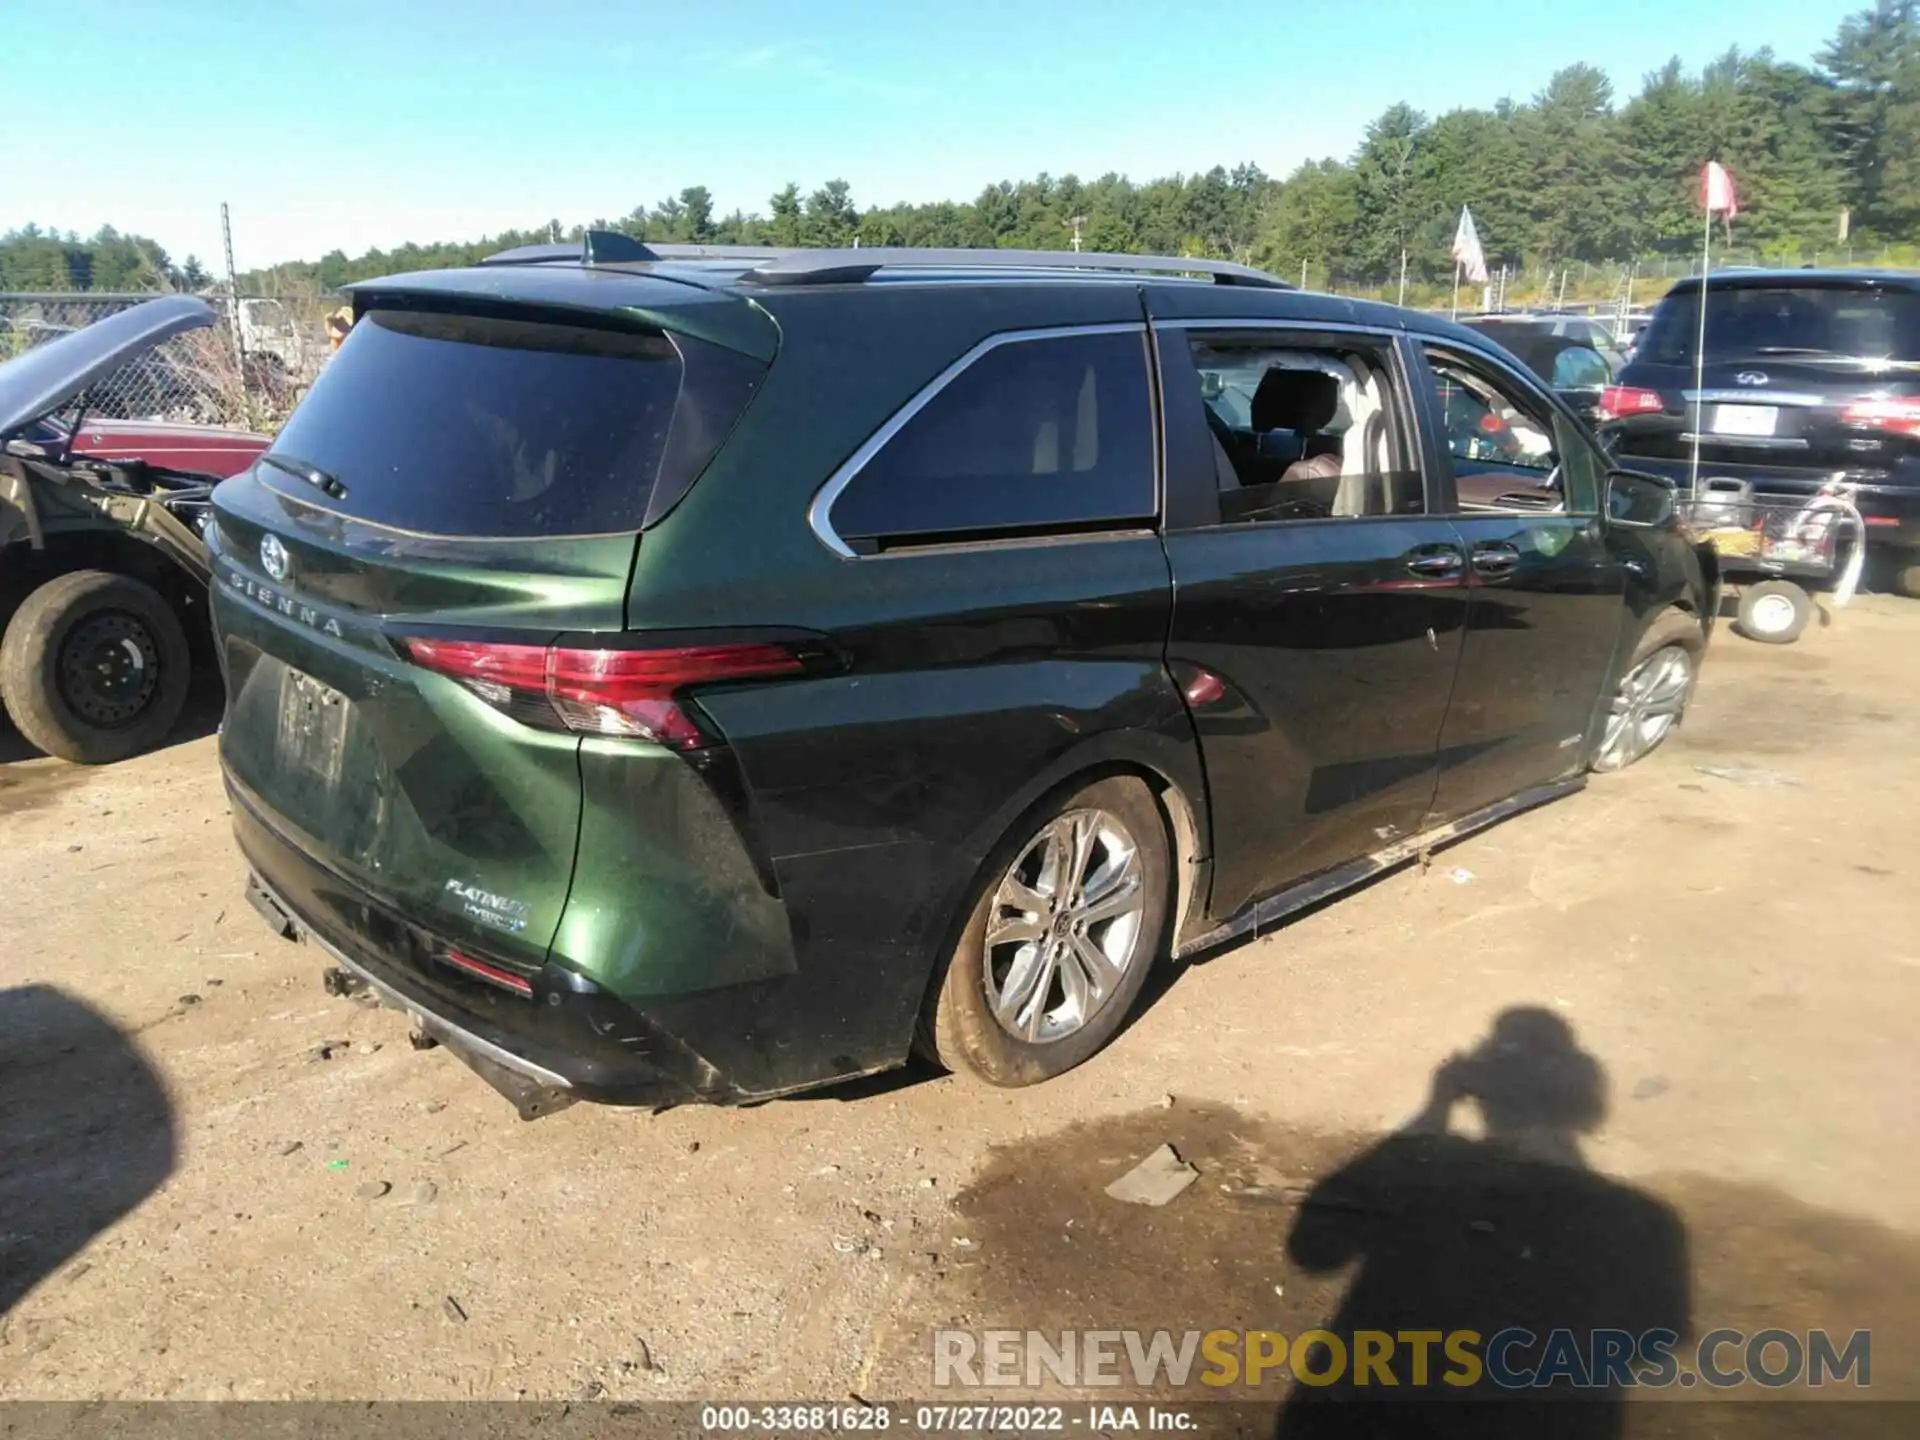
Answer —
(1716, 191)
(1466, 249)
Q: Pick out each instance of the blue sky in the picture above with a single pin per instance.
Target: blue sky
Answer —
(354, 124)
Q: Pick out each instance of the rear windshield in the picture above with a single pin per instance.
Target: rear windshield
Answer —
(1749, 321)
(485, 425)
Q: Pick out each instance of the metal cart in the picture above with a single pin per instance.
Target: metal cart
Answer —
(1774, 549)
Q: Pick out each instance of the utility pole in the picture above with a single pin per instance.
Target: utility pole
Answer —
(1400, 211)
(1074, 225)
(233, 296)
(1303, 274)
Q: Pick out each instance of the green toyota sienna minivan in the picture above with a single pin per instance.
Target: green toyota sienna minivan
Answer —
(684, 674)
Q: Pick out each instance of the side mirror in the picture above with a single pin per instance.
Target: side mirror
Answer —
(1638, 501)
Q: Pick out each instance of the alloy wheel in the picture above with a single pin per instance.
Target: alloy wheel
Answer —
(1647, 706)
(1064, 926)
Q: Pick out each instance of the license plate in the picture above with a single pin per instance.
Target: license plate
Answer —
(1745, 419)
(313, 726)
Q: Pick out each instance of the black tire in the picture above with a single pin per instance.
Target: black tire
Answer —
(94, 667)
(1906, 578)
(958, 1028)
(1673, 630)
(1774, 612)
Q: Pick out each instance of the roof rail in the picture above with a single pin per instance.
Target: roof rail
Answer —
(677, 251)
(782, 265)
(833, 267)
(532, 255)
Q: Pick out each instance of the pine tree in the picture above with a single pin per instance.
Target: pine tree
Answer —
(1564, 177)
(1874, 62)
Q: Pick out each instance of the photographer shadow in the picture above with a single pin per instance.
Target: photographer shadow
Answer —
(87, 1132)
(1510, 1230)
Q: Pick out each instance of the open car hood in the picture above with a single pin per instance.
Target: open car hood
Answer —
(46, 377)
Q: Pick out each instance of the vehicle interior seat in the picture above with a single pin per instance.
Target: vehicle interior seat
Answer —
(1316, 441)
(1290, 414)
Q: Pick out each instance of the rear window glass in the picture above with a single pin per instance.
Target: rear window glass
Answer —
(1580, 367)
(1785, 320)
(475, 425)
(1034, 435)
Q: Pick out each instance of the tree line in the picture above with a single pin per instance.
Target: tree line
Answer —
(1567, 176)
(32, 259)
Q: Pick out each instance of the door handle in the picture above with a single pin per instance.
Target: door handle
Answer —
(1495, 559)
(1435, 563)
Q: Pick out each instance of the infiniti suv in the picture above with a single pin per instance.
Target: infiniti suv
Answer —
(1808, 376)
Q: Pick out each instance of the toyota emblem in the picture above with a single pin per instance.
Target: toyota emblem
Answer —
(1751, 377)
(274, 558)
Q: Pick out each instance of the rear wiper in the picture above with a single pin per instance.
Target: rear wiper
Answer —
(325, 483)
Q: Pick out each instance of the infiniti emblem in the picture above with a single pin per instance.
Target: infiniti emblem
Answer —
(1751, 377)
(274, 558)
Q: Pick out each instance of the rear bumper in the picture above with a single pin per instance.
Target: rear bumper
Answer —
(571, 1037)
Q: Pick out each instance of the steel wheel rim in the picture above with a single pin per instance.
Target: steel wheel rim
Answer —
(1649, 703)
(109, 668)
(1063, 926)
(1772, 614)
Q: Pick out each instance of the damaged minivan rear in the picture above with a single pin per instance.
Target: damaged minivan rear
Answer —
(420, 597)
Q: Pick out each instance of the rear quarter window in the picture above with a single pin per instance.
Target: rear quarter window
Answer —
(510, 426)
(1036, 435)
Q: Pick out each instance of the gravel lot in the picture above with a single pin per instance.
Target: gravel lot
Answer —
(219, 1182)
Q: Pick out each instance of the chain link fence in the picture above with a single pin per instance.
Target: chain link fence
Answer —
(201, 377)
(1600, 288)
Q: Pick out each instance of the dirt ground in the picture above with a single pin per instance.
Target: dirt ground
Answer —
(216, 1181)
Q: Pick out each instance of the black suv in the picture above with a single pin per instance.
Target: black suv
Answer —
(685, 674)
(1809, 376)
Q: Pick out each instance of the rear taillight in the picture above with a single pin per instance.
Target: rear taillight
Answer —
(1895, 417)
(601, 692)
(492, 974)
(1617, 402)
